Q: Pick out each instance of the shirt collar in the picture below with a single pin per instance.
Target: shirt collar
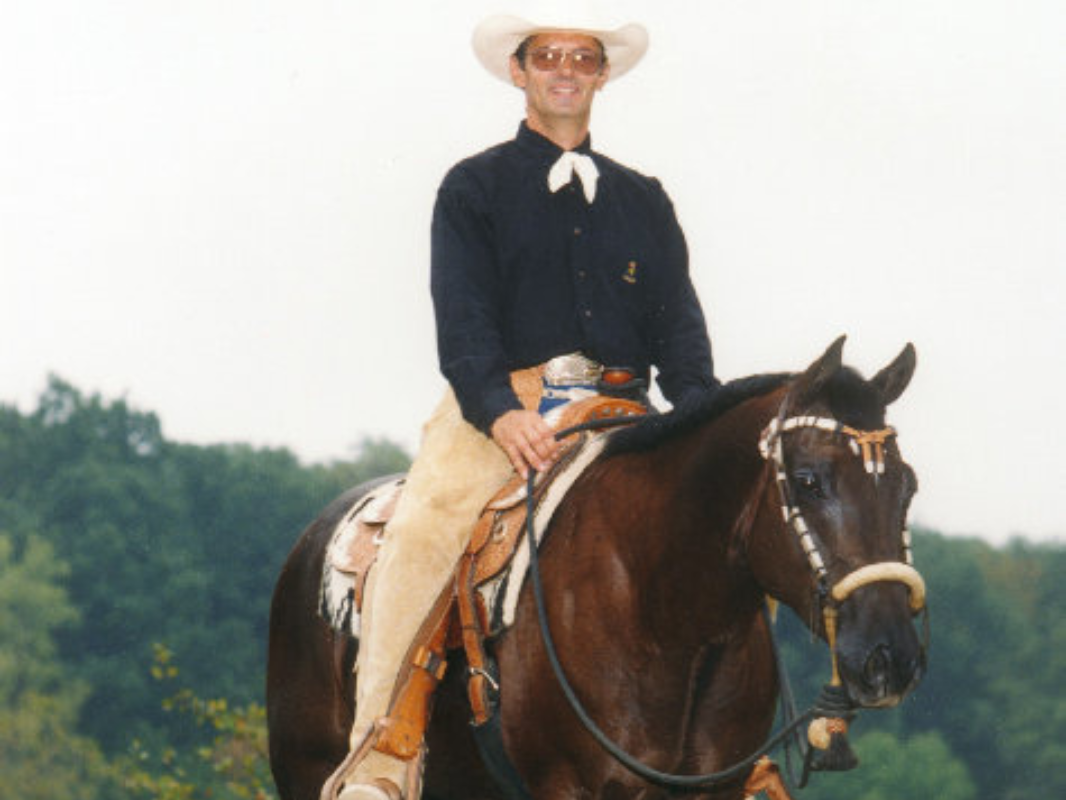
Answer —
(535, 143)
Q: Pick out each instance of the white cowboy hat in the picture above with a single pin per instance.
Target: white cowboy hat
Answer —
(497, 37)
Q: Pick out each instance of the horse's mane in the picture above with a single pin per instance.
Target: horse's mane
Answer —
(847, 395)
(656, 429)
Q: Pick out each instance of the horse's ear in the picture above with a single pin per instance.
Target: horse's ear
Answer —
(893, 379)
(813, 379)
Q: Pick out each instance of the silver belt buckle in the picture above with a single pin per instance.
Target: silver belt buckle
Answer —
(573, 369)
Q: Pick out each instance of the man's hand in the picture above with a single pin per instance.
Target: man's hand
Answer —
(527, 440)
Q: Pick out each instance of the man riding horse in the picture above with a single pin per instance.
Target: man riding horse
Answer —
(549, 260)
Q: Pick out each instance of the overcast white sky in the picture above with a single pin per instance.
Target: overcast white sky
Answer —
(220, 211)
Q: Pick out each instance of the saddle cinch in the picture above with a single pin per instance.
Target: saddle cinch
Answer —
(477, 603)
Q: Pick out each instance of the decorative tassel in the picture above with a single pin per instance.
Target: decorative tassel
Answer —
(828, 734)
(830, 749)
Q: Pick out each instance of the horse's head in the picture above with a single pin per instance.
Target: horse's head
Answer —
(832, 542)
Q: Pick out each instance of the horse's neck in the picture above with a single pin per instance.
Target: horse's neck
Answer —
(645, 569)
(708, 485)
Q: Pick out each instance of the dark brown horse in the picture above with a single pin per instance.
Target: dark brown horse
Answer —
(655, 569)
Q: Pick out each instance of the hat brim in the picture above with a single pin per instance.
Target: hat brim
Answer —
(497, 37)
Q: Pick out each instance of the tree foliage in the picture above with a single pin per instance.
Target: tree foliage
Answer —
(165, 542)
(41, 754)
(232, 765)
(921, 767)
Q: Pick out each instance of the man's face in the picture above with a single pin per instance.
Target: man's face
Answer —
(565, 92)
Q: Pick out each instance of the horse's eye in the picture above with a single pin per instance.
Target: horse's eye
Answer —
(808, 483)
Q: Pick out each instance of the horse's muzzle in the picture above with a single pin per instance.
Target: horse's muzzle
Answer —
(880, 655)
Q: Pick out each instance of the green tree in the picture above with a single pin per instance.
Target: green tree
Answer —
(164, 541)
(976, 633)
(41, 755)
(232, 765)
(919, 768)
(1030, 729)
(374, 457)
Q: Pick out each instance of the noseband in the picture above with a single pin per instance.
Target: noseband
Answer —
(869, 445)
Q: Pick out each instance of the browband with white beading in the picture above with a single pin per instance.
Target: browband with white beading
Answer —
(867, 444)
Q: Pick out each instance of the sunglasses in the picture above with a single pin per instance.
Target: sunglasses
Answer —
(549, 59)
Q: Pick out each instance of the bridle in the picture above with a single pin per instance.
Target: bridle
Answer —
(869, 445)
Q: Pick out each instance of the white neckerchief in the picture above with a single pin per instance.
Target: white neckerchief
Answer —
(569, 163)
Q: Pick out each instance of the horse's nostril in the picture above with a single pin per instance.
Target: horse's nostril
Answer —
(875, 671)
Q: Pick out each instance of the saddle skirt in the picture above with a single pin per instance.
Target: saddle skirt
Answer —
(498, 551)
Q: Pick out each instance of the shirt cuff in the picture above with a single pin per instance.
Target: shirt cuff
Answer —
(490, 406)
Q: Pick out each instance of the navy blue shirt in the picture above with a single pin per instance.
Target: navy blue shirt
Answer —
(520, 275)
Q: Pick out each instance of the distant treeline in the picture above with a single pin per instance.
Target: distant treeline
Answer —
(135, 580)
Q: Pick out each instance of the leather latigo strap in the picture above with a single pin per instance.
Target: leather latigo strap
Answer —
(481, 686)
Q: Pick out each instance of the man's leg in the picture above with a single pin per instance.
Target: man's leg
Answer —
(456, 473)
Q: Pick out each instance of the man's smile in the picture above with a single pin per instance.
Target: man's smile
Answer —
(565, 90)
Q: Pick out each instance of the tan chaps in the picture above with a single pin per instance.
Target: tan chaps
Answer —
(457, 471)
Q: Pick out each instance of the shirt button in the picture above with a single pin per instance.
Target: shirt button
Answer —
(588, 314)
(581, 273)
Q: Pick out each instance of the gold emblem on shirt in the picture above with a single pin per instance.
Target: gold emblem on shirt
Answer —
(630, 275)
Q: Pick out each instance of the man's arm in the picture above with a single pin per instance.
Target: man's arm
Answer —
(468, 302)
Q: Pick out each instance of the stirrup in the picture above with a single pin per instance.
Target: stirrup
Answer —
(335, 783)
(377, 789)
